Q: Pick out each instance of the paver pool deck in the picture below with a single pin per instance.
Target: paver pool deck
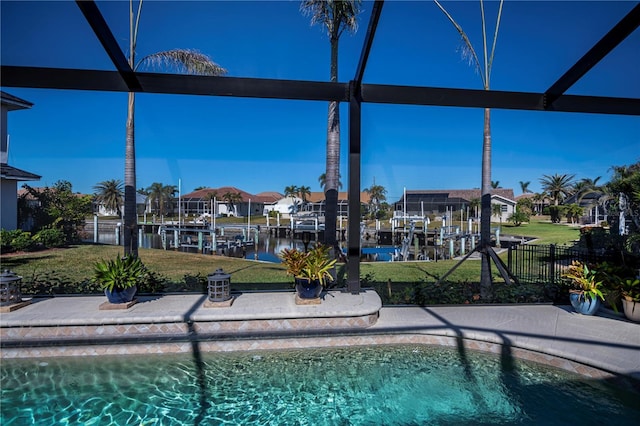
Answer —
(598, 346)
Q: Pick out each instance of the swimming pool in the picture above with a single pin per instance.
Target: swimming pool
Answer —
(384, 385)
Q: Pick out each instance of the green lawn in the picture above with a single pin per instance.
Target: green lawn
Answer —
(76, 264)
(545, 231)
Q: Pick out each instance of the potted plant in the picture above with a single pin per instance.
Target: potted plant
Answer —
(630, 289)
(611, 276)
(622, 288)
(585, 292)
(119, 278)
(311, 269)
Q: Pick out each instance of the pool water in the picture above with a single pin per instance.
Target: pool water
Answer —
(385, 385)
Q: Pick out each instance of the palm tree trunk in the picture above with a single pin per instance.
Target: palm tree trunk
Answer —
(130, 237)
(130, 219)
(485, 221)
(333, 157)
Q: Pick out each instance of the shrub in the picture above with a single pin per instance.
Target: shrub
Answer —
(5, 241)
(518, 217)
(152, 282)
(50, 237)
(428, 292)
(49, 283)
(17, 240)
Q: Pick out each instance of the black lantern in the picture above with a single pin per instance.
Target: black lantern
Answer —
(10, 293)
(219, 285)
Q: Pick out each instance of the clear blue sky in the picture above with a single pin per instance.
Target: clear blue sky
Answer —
(264, 145)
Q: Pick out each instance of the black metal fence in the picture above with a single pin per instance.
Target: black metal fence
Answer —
(545, 264)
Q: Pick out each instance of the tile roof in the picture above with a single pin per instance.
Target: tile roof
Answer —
(263, 197)
(268, 197)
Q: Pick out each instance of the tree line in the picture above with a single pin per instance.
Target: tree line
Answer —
(161, 199)
(620, 195)
(377, 207)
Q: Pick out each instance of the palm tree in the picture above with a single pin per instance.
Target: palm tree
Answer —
(322, 180)
(377, 194)
(170, 195)
(154, 193)
(538, 199)
(495, 184)
(524, 187)
(496, 210)
(109, 193)
(485, 74)
(182, 60)
(231, 198)
(304, 192)
(336, 16)
(290, 191)
(160, 196)
(574, 212)
(557, 186)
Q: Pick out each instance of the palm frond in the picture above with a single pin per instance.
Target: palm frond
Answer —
(318, 10)
(468, 55)
(495, 39)
(334, 15)
(183, 61)
(468, 51)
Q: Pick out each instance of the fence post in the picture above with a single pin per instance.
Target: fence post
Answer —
(552, 263)
(509, 260)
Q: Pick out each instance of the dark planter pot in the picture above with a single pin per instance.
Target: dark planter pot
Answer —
(308, 289)
(121, 295)
(583, 304)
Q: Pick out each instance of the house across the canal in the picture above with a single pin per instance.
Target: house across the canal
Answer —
(439, 201)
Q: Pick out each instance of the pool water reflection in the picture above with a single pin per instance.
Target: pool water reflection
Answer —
(390, 385)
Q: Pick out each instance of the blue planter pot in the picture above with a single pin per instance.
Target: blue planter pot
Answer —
(121, 295)
(308, 289)
(584, 305)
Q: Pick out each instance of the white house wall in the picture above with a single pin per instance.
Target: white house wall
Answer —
(284, 206)
(511, 208)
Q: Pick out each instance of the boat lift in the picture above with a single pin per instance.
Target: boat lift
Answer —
(406, 241)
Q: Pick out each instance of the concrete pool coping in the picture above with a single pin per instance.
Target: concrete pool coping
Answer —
(595, 346)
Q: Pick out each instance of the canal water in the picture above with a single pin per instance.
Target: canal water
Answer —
(235, 243)
(267, 248)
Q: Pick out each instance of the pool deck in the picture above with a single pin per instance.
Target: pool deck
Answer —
(601, 346)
